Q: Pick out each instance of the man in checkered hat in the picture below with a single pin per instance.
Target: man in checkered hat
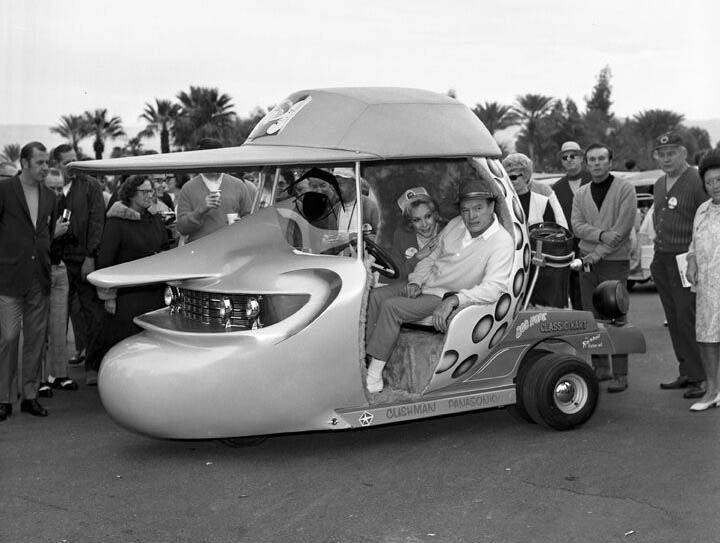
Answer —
(677, 195)
(469, 265)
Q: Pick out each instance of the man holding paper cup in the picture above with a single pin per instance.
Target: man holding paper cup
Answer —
(677, 195)
(211, 200)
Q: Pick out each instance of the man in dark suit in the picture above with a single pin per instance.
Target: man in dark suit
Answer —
(571, 157)
(84, 200)
(27, 225)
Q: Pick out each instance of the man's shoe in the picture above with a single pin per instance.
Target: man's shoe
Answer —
(619, 384)
(77, 360)
(45, 390)
(5, 411)
(680, 382)
(696, 390)
(33, 407)
(91, 378)
(62, 383)
(374, 383)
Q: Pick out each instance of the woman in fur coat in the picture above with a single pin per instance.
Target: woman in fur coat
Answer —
(131, 231)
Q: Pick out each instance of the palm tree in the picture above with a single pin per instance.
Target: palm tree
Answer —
(651, 123)
(73, 128)
(102, 128)
(204, 112)
(11, 153)
(496, 116)
(160, 118)
(530, 108)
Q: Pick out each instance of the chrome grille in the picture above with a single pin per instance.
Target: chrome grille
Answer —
(208, 307)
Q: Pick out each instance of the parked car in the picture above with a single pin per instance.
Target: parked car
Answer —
(263, 332)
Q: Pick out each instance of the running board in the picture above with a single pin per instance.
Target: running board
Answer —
(389, 413)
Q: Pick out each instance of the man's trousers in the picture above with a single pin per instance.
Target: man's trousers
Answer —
(387, 310)
(603, 271)
(679, 306)
(30, 312)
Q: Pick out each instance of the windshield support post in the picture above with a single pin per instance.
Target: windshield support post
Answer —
(360, 218)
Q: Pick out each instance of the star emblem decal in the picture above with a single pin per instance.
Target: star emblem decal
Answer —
(366, 419)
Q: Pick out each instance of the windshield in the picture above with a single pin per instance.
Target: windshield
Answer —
(321, 213)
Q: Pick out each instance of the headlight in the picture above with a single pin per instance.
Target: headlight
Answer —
(172, 298)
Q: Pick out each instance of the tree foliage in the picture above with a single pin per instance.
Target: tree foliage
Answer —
(204, 113)
(11, 153)
(161, 118)
(73, 128)
(496, 116)
(530, 109)
(102, 128)
(599, 102)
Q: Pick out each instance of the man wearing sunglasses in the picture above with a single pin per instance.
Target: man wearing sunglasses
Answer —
(677, 195)
(571, 158)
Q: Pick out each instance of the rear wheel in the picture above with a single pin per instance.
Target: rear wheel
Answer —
(560, 391)
(519, 410)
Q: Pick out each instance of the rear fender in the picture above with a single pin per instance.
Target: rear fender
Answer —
(608, 339)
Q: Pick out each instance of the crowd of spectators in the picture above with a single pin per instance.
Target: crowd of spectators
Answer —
(57, 226)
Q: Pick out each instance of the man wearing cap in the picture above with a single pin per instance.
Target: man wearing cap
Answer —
(571, 158)
(346, 211)
(469, 265)
(677, 195)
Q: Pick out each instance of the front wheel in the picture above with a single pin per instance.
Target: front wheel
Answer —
(560, 391)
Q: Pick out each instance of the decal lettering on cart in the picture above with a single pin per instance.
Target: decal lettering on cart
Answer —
(532, 320)
(282, 114)
(563, 326)
(365, 419)
(410, 410)
(473, 401)
(593, 342)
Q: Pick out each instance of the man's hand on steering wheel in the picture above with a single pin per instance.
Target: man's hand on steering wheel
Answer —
(442, 313)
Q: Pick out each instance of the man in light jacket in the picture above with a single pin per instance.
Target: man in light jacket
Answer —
(603, 215)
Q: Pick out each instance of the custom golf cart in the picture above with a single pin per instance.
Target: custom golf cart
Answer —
(265, 321)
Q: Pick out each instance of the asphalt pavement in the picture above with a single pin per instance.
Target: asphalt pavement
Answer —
(643, 469)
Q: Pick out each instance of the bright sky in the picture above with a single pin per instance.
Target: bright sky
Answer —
(66, 56)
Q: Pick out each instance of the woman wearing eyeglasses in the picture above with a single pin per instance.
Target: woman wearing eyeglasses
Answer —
(540, 205)
(131, 232)
(703, 272)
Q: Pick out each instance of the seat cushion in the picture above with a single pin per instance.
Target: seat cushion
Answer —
(414, 360)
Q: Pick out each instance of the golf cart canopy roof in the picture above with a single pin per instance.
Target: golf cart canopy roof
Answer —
(335, 126)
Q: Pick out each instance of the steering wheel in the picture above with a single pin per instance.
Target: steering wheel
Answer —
(384, 263)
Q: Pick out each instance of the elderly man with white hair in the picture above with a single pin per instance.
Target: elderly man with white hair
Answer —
(540, 204)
